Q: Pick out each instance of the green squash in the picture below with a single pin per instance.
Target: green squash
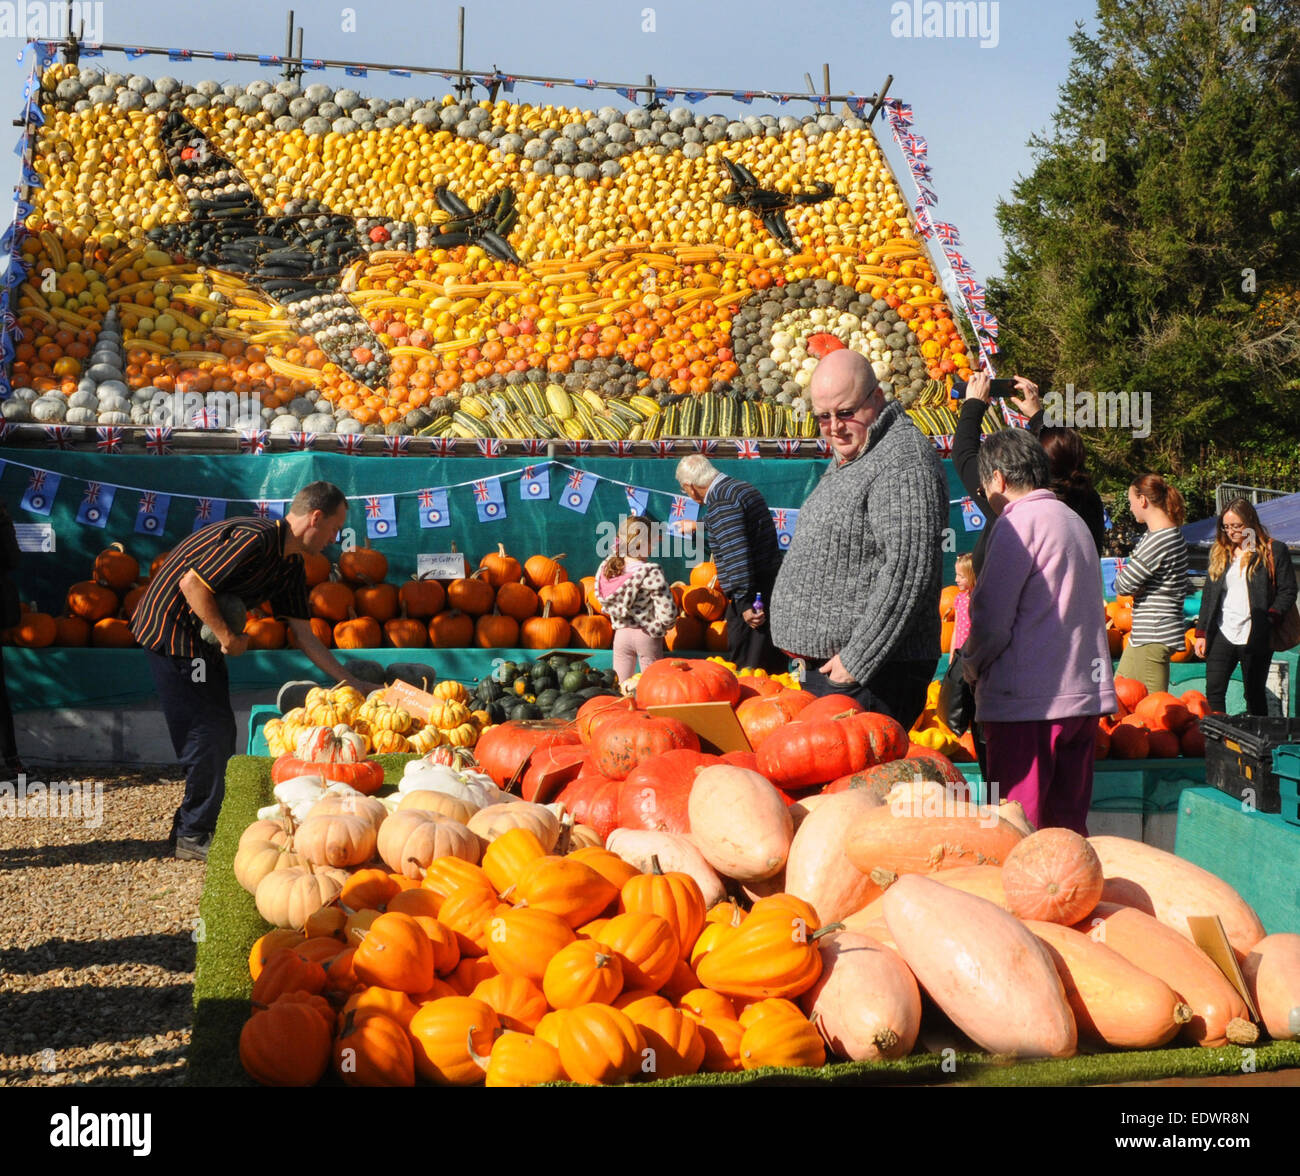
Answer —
(547, 699)
(526, 710)
(498, 710)
(488, 690)
(505, 673)
(574, 680)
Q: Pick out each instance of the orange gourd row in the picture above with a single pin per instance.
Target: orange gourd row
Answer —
(607, 973)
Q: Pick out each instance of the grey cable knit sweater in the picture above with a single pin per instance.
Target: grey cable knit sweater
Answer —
(862, 575)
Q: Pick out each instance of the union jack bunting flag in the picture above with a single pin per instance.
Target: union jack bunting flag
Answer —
(206, 418)
(302, 441)
(578, 447)
(433, 508)
(622, 448)
(921, 172)
(970, 288)
(947, 232)
(709, 447)
(747, 449)
(253, 440)
(900, 112)
(788, 447)
(489, 499)
(663, 448)
(823, 447)
(959, 265)
(381, 516)
(442, 446)
(397, 446)
(925, 196)
(158, 439)
(351, 444)
(109, 439)
(42, 486)
(943, 444)
(58, 436)
(151, 517)
(268, 508)
(578, 491)
(209, 510)
(533, 446)
(95, 504)
(489, 447)
(924, 222)
(981, 320)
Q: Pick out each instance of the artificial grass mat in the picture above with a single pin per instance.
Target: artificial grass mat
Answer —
(230, 925)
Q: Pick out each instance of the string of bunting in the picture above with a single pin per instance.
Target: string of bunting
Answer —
(576, 489)
(969, 291)
(497, 79)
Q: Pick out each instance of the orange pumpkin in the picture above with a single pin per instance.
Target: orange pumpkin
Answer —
(570, 889)
(646, 945)
(396, 953)
(115, 568)
(473, 594)
(518, 1002)
(599, 1045)
(522, 941)
(444, 1031)
(451, 629)
(1054, 876)
(374, 1051)
(363, 564)
(582, 972)
(543, 570)
(501, 569)
(421, 597)
(517, 600)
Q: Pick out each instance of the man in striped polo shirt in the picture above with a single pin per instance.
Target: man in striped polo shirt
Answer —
(255, 560)
(743, 543)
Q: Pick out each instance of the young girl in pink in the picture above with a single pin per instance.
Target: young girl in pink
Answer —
(635, 596)
(965, 580)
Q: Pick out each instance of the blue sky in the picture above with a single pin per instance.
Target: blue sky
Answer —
(977, 104)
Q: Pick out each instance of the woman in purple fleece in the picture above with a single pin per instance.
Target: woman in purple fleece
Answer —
(1037, 652)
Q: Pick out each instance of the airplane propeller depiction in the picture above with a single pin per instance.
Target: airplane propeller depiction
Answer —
(299, 258)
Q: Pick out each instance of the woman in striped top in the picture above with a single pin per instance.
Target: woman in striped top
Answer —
(1156, 577)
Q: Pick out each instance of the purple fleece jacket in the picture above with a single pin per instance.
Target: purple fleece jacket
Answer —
(1037, 647)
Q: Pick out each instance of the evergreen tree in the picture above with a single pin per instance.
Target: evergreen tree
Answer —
(1155, 247)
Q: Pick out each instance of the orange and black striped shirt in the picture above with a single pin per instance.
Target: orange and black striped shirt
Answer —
(241, 557)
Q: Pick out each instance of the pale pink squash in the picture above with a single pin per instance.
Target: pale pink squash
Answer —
(740, 823)
(1219, 1015)
(983, 967)
(981, 881)
(676, 852)
(876, 929)
(1170, 889)
(866, 1005)
(817, 870)
(1114, 1002)
(1053, 875)
(888, 842)
(1272, 971)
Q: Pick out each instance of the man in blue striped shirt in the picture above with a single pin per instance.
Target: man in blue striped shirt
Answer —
(743, 543)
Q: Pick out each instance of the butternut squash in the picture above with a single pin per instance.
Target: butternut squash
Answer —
(983, 968)
(1219, 1015)
(676, 853)
(1272, 971)
(888, 842)
(866, 1005)
(1114, 1002)
(1170, 889)
(816, 869)
(739, 822)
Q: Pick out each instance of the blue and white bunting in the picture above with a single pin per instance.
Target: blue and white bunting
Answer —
(151, 516)
(637, 499)
(972, 518)
(784, 520)
(208, 511)
(433, 509)
(578, 489)
(95, 504)
(683, 510)
(269, 508)
(535, 484)
(381, 516)
(42, 486)
(490, 500)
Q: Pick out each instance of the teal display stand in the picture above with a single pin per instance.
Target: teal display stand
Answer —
(1124, 786)
(1258, 854)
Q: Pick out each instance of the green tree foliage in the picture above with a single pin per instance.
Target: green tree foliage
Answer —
(1155, 247)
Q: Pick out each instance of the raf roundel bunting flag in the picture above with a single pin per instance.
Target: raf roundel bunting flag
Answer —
(490, 500)
(95, 504)
(433, 509)
(578, 490)
(535, 484)
(151, 518)
(208, 511)
(972, 518)
(684, 510)
(42, 486)
(636, 499)
(785, 520)
(381, 516)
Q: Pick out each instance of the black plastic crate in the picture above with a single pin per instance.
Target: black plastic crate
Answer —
(1239, 756)
(1286, 763)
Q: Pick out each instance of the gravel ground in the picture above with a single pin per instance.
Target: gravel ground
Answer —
(97, 937)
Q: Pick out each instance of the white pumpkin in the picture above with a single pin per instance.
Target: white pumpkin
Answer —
(472, 787)
(326, 745)
(489, 823)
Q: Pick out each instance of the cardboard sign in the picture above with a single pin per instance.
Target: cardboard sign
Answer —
(415, 702)
(714, 722)
(1208, 934)
(441, 565)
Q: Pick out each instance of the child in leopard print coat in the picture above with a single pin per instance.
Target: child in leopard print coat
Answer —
(635, 596)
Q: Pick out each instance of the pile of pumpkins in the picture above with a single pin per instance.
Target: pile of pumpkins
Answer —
(457, 935)
(1119, 628)
(383, 729)
(1155, 725)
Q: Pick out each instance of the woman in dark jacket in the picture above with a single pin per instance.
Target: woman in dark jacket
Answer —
(1251, 586)
(1065, 454)
(9, 616)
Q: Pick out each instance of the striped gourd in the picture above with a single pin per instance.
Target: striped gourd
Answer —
(559, 402)
(708, 416)
(472, 425)
(671, 422)
(766, 419)
(515, 395)
(585, 417)
(808, 426)
(544, 427)
(727, 417)
(646, 406)
(748, 419)
(536, 401)
(688, 417)
(652, 429)
(474, 406)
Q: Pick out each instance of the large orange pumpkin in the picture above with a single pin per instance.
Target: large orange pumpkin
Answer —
(674, 680)
(627, 740)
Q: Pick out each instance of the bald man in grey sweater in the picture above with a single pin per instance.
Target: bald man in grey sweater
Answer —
(858, 593)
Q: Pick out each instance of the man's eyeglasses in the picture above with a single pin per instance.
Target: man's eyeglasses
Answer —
(840, 414)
